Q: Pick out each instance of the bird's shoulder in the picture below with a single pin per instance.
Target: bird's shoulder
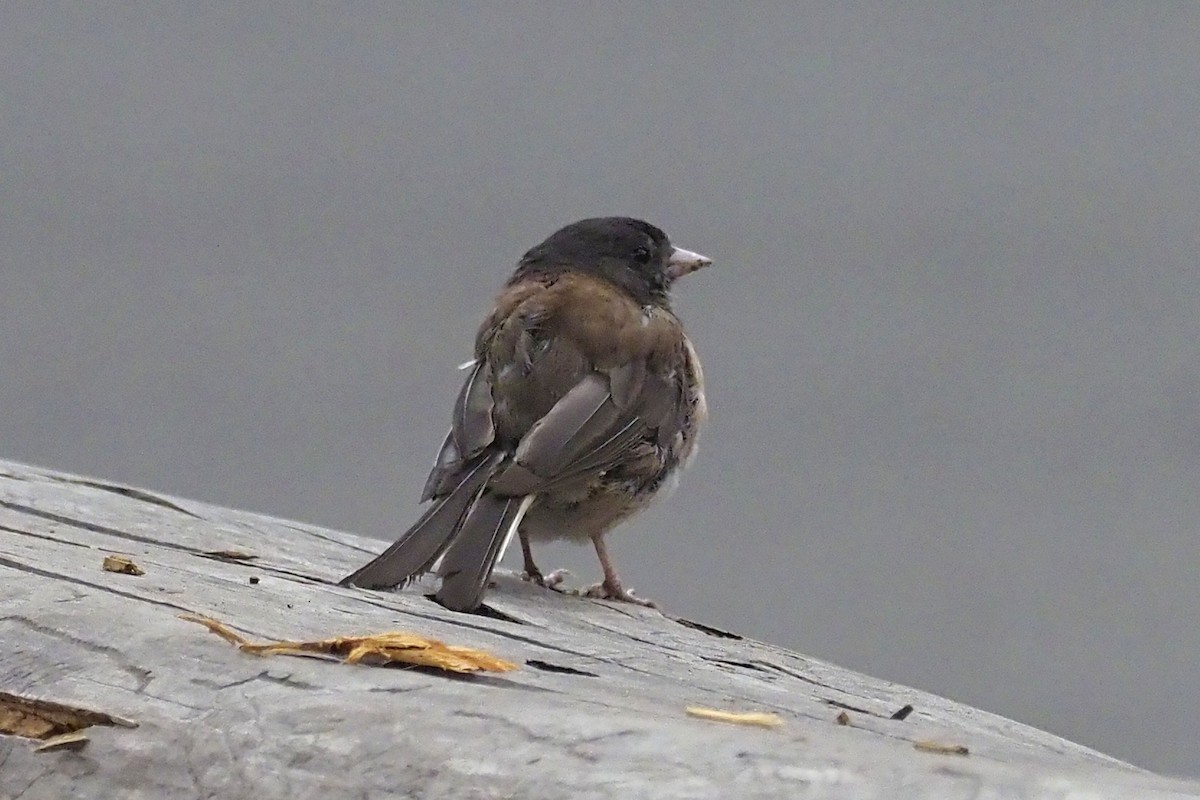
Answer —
(604, 323)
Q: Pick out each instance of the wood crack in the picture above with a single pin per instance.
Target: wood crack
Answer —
(44, 537)
(42, 573)
(330, 539)
(95, 528)
(127, 491)
(141, 676)
(265, 675)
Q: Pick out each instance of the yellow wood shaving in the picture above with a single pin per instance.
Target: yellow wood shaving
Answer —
(929, 746)
(75, 740)
(380, 648)
(219, 628)
(122, 564)
(759, 718)
(34, 718)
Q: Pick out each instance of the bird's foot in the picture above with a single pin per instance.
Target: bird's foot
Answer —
(612, 590)
(551, 581)
(555, 578)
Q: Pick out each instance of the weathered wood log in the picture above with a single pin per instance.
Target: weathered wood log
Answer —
(596, 709)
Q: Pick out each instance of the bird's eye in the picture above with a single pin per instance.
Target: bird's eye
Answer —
(641, 255)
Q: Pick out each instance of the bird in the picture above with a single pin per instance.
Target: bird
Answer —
(583, 402)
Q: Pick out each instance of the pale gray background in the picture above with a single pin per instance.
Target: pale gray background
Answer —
(950, 337)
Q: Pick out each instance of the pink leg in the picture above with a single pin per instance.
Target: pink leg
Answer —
(610, 588)
(531, 571)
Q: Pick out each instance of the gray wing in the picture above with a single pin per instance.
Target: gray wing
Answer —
(590, 429)
(594, 423)
(470, 433)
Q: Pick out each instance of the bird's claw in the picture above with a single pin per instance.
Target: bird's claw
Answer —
(551, 581)
(615, 591)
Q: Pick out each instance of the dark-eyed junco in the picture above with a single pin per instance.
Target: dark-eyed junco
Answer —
(584, 400)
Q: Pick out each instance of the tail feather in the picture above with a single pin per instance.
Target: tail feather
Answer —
(480, 542)
(421, 545)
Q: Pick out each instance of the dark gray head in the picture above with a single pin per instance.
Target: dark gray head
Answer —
(630, 253)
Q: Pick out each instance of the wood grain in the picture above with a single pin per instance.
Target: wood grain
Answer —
(596, 709)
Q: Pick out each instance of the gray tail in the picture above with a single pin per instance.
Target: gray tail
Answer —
(479, 544)
(419, 546)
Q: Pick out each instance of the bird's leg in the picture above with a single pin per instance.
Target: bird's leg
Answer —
(530, 570)
(610, 588)
(531, 573)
